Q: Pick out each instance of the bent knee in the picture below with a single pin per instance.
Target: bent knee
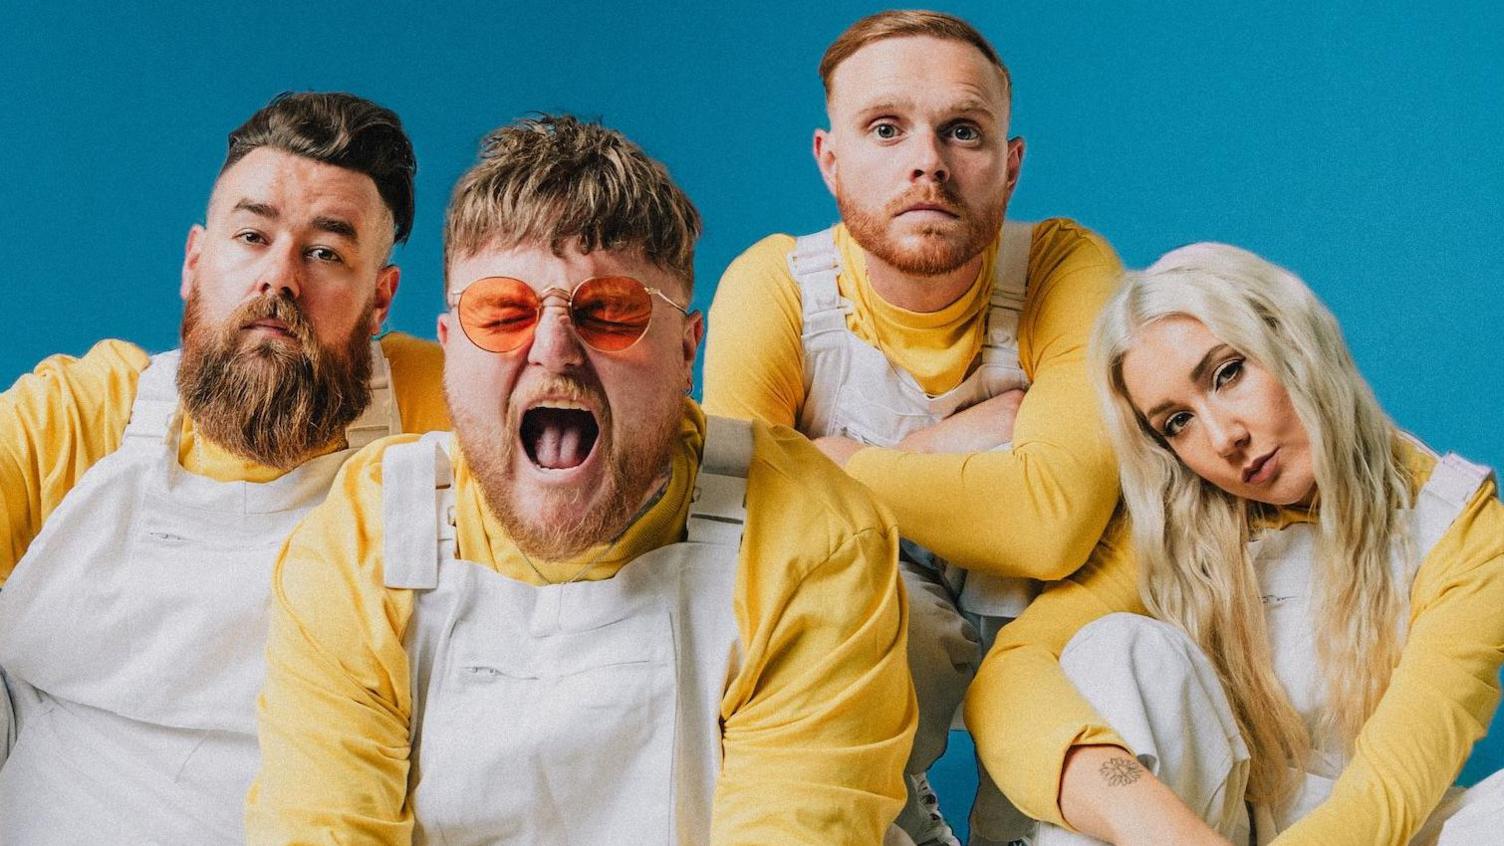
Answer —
(1135, 640)
(1141, 671)
(1143, 659)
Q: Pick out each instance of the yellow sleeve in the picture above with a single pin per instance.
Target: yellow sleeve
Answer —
(334, 709)
(754, 358)
(820, 717)
(1023, 713)
(418, 380)
(1440, 699)
(55, 423)
(1036, 510)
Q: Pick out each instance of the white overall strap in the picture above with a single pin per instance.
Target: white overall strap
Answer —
(415, 511)
(827, 343)
(1451, 486)
(156, 402)
(815, 263)
(718, 508)
(1011, 273)
(1010, 282)
(381, 417)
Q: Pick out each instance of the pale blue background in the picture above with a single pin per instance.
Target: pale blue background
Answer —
(1356, 145)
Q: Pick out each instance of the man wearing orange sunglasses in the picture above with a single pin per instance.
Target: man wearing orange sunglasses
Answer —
(903, 338)
(143, 498)
(592, 614)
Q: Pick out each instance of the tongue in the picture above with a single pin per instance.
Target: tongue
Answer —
(559, 446)
(561, 439)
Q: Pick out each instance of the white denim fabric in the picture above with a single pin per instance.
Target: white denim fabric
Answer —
(1285, 563)
(7, 720)
(1472, 817)
(132, 633)
(1159, 692)
(1162, 696)
(583, 713)
(852, 389)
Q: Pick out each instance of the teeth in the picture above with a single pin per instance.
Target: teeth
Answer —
(563, 404)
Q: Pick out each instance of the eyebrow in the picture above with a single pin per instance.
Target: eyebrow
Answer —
(337, 226)
(883, 106)
(323, 223)
(259, 209)
(1206, 362)
(969, 105)
(972, 105)
(1197, 373)
(1155, 411)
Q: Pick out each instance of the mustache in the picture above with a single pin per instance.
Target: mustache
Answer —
(567, 387)
(279, 307)
(274, 403)
(932, 193)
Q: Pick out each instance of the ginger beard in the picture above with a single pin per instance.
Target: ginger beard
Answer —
(943, 247)
(556, 424)
(274, 401)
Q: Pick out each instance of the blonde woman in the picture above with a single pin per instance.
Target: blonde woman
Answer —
(1329, 595)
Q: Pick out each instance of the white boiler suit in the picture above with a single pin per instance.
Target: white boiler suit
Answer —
(132, 631)
(1159, 692)
(611, 689)
(852, 389)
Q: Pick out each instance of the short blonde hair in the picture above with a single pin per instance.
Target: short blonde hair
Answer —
(901, 23)
(557, 180)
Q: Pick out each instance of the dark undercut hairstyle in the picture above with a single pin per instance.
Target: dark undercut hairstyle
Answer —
(341, 130)
(900, 23)
(556, 180)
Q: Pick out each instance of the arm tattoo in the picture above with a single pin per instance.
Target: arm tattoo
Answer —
(1118, 772)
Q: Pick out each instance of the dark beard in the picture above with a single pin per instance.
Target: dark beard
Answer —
(938, 255)
(274, 403)
(631, 475)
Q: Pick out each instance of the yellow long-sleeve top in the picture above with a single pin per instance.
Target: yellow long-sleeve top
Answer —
(1025, 715)
(817, 723)
(62, 418)
(1033, 511)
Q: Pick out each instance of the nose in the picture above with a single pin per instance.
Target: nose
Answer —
(929, 158)
(281, 273)
(555, 346)
(1226, 432)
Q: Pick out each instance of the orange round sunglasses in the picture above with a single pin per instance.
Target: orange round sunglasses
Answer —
(610, 313)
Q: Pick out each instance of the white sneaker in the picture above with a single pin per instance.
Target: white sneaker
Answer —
(921, 816)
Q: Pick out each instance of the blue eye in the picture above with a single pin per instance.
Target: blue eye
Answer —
(324, 254)
(886, 131)
(1227, 373)
(1175, 423)
(965, 133)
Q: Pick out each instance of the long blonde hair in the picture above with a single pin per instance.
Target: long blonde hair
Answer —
(1191, 537)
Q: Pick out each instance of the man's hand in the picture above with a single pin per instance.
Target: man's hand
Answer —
(837, 448)
(984, 426)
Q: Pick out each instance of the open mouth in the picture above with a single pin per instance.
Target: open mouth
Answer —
(558, 435)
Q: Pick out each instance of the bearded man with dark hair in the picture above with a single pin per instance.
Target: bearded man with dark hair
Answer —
(145, 497)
